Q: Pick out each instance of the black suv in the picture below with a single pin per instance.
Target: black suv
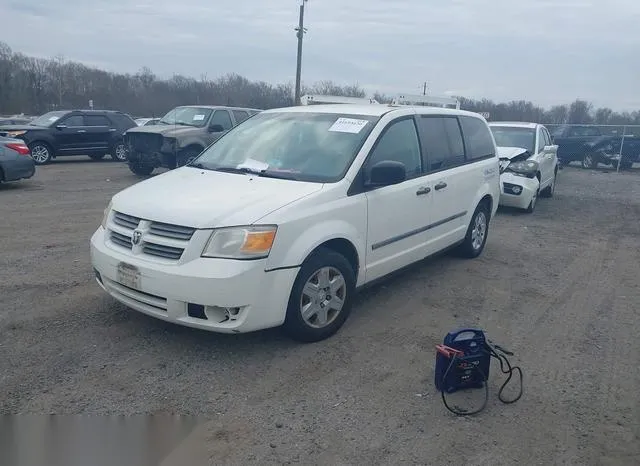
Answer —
(74, 132)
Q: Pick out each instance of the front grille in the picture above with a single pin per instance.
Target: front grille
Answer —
(120, 239)
(161, 250)
(171, 231)
(144, 142)
(163, 240)
(127, 221)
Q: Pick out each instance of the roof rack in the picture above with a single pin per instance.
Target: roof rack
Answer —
(317, 99)
(426, 101)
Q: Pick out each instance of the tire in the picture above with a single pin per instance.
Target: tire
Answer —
(119, 152)
(140, 169)
(590, 161)
(625, 165)
(41, 153)
(306, 293)
(550, 190)
(185, 157)
(471, 247)
(96, 157)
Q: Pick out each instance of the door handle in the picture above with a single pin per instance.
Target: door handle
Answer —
(82, 131)
(440, 186)
(423, 190)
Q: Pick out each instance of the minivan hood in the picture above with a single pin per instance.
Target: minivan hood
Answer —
(510, 152)
(167, 130)
(198, 198)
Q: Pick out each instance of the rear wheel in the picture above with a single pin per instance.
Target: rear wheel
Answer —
(625, 164)
(119, 152)
(589, 161)
(40, 153)
(141, 169)
(321, 297)
(476, 236)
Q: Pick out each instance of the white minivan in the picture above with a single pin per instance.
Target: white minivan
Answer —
(285, 216)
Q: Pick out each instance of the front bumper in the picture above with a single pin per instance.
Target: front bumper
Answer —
(226, 296)
(527, 187)
(21, 167)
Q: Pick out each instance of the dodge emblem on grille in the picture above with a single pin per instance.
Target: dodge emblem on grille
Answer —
(137, 236)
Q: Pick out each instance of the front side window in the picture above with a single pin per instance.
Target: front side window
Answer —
(510, 136)
(221, 118)
(317, 147)
(75, 120)
(477, 138)
(187, 116)
(399, 143)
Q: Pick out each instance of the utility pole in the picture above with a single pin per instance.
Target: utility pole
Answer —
(424, 89)
(300, 31)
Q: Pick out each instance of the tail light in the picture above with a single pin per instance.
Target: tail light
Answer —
(20, 148)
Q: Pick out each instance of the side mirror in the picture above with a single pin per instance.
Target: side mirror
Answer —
(61, 127)
(216, 129)
(386, 173)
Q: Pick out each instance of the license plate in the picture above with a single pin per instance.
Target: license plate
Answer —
(128, 275)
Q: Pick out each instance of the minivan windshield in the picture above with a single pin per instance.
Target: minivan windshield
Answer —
(510, 136)
(317, 147)
(48, 118)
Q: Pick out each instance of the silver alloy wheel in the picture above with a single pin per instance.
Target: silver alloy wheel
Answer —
(479, 230)
(40, 153)
(120, 152)
(323, 297)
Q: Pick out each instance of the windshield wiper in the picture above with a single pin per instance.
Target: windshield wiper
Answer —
(250, 171)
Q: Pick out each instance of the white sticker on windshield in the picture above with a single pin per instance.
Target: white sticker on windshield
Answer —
(348, 125)
(54, 118)
(198, 117)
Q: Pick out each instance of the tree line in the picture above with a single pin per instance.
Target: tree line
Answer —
(34, 86)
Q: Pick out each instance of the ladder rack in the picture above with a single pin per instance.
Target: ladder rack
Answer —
(426, 101)
(317, 99)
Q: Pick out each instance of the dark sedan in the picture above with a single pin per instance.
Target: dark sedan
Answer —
(15, 160)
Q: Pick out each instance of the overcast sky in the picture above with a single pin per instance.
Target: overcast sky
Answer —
(547, 51)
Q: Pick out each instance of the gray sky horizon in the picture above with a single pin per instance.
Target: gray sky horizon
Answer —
(546, 51)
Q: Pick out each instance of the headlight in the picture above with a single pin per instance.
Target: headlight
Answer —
(13, 134)
(526, 168)
(105, 217)
(250, 242)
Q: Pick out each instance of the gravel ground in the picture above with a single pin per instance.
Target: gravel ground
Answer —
(559, 287)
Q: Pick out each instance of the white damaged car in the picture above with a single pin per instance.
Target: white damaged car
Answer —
(528, 163)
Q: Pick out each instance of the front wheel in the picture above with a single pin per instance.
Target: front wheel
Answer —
(476, 236)
(321, 297)
(141, 169)
(550, 190)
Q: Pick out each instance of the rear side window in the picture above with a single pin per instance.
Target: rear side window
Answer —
(442, 142)
(96, 120)
(477, 137)
(240, 116)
